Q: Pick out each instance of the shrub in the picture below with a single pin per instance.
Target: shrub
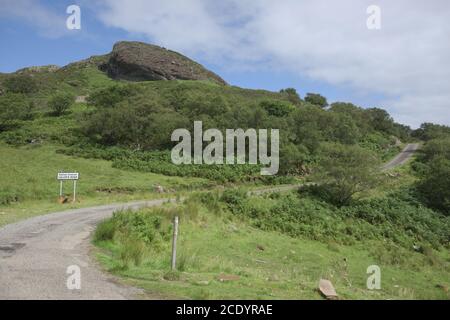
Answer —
(131, 251)
(14, 108)
(435, 185)
(105, 230)
(60, 103)
(20, 83)
(393, 218)
(344, 171)
(277, 108)
(316, 99)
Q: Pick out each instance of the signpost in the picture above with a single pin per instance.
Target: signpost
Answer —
(74, 176)
(174, 243)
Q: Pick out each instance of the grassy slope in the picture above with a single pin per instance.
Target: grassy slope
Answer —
(287, 268)
(28, 174)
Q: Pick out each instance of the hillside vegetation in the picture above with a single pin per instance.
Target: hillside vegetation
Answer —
(116, 133)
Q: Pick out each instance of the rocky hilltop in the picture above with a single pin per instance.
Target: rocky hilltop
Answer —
(138, 61)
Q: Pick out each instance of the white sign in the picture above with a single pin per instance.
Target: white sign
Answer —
(68, 176)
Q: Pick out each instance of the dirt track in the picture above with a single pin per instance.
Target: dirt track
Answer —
(35, 254)
(402, 157)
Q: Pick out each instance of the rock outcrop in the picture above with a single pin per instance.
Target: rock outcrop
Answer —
(138, 61)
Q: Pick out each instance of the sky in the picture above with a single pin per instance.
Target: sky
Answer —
(319, 46)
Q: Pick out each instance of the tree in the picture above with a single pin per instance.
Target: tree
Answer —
(380, 120)
(277, 108)
(316, 99)
(292, 95)
(20, 83)
(60, 103)
(344, 171)
(14, 108)
(428, 131)
(110, 96)
(435, 185)
(436, 148)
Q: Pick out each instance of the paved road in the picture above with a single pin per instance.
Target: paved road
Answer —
(35, 253)
(402, 157)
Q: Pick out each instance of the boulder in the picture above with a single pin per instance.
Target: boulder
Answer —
(138, 61)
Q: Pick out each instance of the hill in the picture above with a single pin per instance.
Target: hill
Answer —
(110, 117)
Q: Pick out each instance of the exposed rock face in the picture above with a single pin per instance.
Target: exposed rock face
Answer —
(49, 68)
(138, 61)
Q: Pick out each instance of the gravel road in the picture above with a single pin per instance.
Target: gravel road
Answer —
(35, 255)
(402, 157)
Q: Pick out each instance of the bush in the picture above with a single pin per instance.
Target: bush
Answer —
(233, 197)
(105, 230)
(20, 83)
(60, 103)
(277, 108)
(393, 218)
(316, 99)
(14, 108)
(344, 171)
(435, 185)
(131, 251)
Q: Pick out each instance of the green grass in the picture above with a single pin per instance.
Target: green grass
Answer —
(270, 265)
(28, 184)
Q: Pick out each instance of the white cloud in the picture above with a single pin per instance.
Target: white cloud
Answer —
(48, 22)
(407, 60)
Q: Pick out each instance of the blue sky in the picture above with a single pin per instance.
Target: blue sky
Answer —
(265, 45)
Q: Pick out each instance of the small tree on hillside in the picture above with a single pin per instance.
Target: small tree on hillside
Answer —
(60, 103)
(435, 185)
(292, 95)
(345, 170)
(316, 99)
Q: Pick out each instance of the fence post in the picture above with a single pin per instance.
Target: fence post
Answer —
(174, 243)
(74, 190)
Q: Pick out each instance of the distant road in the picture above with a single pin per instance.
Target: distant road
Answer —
(35, 253)
(402, 157)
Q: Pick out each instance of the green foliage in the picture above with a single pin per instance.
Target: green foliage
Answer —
(390, 219)
(435, 184)
(136, 233)
(316, 99)
(60, 103)
(436, 148)
(110, 96)
(14, 108)
(433, 169)
(277, 108)
(160, 162)
(344, 171)
(20, 83)
(292, 96)
(142, 116)
(105, 230)
(429, 131)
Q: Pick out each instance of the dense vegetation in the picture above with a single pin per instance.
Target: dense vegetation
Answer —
(278, 245)
(433, 167)
(140, 117)
(130, 124)
(119, 133)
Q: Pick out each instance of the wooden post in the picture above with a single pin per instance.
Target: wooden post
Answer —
(174, 242)
(74, 190)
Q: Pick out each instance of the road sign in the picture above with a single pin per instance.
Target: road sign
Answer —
(74, 176)
(68, 176)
